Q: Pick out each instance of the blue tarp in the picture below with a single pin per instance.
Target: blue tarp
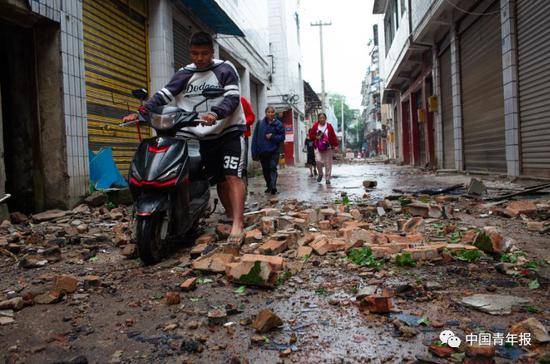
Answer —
(104, 173)
(214, 16)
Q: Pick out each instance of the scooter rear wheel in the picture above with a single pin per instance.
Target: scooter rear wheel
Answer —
(149, 239)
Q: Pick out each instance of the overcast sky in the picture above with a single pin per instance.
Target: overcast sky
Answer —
(345, 45)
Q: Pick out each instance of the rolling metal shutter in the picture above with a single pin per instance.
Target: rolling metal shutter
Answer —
(482, 95)
(182, 36)
(115, 54)
(533, 31)
(447, 109)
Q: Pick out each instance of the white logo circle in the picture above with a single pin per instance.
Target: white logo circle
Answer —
(454, 342)
(445, 336)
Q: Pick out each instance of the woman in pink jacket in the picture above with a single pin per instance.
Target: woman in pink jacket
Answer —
(325, 141)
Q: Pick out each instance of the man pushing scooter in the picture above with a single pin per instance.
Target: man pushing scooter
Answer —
(222, 143)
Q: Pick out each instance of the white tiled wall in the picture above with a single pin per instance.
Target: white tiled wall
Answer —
(510, 86)
(69, 14)
(161, 39)
(457, 103)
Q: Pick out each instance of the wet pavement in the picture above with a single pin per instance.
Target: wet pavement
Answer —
(124, 318)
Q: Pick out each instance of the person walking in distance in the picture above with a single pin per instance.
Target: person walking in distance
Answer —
(268, 135)
(309, 148)
(325, 141)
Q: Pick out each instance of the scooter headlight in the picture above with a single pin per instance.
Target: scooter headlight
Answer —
(163, 122)
(170, 174)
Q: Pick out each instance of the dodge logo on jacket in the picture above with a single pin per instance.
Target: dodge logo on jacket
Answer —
(185, 89)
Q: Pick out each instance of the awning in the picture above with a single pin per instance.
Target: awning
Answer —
(214, 16)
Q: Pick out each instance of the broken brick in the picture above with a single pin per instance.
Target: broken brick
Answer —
(285, 222)
(189, 284)
(410, 239)
(357, 215)
(459, 247)
(413, 225)
(255, 270)
(273, 247)
(198, 250)
(267, 225)
(377, 303)
(310, 215)
(300, 223)
(66, 283)
(538, 331)
(324, 225)
(305, 240)
(323, 245)
(50, 297)
(326, 214)
(265, 321)
(341, 218)
(381, 251)
(253, 236)
(470, 237)
(130, 251)
(216, 260)
(207, 238)
(435, 211)
(275, 261)
(385, 204)
(441, 351)
(423, 253)
(522, 207)
(491, 241)
(303, 251)
(418, 209)
(445, 198)
(537, 226)
(172, 298)
(271, 212)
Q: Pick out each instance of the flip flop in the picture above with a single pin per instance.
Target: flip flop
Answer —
(236, 239)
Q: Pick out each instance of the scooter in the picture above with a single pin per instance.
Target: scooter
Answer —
(168, 185)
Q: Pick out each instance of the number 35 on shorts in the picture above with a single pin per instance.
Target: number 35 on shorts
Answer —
(230, 162)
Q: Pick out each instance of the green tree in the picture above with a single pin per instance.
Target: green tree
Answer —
(354, 127)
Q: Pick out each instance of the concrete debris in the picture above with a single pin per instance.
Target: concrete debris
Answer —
(494, 304)
(476, 187)
(538, 332)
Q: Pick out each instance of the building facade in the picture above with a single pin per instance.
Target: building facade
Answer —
(70, 68)
(286, 94)
(465, 83)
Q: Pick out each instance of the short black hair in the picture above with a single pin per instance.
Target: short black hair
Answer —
(322, 113)
(269, 107)
(201, 39)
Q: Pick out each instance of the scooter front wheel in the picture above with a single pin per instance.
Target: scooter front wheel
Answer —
(148, 237)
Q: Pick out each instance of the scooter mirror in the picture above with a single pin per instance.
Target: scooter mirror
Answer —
(140, 94)
(213, 92)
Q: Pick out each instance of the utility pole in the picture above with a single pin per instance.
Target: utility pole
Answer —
(343, 124)
(320, 24)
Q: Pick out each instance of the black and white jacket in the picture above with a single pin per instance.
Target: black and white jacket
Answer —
(185, 89)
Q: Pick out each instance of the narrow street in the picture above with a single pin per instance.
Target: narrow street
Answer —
(69, 295)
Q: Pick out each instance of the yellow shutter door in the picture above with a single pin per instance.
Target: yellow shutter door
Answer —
(115, 53)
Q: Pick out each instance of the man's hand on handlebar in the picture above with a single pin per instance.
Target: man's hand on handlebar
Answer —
(208, 119)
